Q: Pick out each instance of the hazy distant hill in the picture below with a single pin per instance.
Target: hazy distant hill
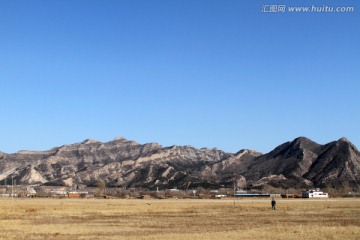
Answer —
(124, 163)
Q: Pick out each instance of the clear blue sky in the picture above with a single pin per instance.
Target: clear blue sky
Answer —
(185, 72)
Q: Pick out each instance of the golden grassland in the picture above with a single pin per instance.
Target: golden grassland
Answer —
(179, 219)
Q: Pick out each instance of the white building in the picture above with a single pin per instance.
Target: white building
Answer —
(30, 192)
(314, 193)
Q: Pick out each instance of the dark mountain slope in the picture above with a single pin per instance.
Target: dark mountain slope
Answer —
(338, 164)
(304, 160)
(289, 159)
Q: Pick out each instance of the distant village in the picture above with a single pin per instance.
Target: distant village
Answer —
(19, 191)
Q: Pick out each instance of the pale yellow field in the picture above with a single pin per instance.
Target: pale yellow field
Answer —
(181, 219)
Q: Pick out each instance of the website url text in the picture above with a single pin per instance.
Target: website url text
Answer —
(304, 9)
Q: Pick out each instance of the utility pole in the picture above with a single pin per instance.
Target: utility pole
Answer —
(234, 191)
(12, 188)
(5, 187)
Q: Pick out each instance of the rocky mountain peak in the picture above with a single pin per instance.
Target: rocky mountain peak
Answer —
(119, 139)
(248, 151)
(344, 143)
(344, 139)
(90, 141)
(304, 143)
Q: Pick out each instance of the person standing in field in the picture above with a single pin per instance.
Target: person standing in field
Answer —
(273, 204)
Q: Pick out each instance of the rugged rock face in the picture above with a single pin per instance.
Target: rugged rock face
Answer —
(229, 170)
(119, 162)
(337, 164)
(124, 163)
(303, 162)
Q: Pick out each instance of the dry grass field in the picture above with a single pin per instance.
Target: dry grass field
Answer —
(181, 219)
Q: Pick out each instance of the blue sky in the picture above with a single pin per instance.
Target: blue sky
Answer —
(203, 73)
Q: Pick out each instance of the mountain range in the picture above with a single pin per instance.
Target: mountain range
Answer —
(300, 163)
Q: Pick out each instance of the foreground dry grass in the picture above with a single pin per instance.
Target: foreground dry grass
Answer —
(144, 219)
